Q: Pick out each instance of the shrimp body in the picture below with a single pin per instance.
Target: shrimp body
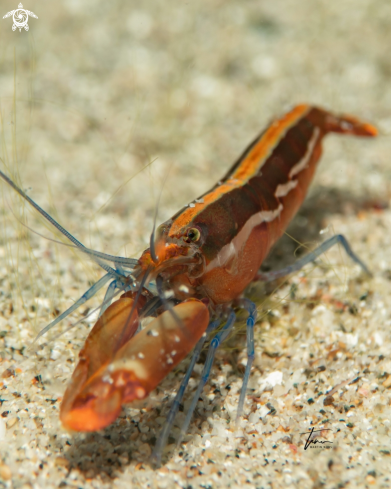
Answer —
(231, 228)
(203, 258)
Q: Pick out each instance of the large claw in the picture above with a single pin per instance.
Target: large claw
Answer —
(103, 382)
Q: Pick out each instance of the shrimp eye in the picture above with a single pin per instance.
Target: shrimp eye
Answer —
(193, 235)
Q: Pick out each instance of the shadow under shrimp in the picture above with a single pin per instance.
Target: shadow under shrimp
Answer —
(322, 203)
(109, 452)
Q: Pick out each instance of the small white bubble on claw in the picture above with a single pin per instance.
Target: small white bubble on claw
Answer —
(140, 392)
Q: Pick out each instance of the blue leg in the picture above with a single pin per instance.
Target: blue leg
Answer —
(84, 298)
(108, 296)
(251, 308)
(214, 344)
(269, 276)
(115, 284)
(162, 440)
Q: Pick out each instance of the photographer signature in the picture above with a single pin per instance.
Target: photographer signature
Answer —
(313, 440)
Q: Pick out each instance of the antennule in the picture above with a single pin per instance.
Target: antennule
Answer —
(152, 244)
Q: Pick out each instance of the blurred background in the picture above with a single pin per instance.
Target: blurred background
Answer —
(103, 104)
(102, 90)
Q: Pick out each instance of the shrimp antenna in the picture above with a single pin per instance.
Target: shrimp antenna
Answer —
(152, 249)
(118, 260)
(152, 238)
(152, 242)
(97, 255)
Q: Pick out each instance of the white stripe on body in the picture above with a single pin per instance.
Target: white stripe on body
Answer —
(231, 250)
(284, 188)
(302, 165)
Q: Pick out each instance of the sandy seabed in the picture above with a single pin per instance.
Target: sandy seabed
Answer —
(101, 101)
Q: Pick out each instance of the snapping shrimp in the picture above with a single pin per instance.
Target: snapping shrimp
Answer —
(197, 267)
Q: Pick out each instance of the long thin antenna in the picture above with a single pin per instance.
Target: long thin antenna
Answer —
(152, 250)
(96, 254)
(118, 260)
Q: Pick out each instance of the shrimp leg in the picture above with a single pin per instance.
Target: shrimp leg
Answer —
(312, 256)
(163, 436)
(269, 276)
(84, 298)
(251, 308)
(214, 344)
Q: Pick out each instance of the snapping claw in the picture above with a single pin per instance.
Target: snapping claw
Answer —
(103, 381)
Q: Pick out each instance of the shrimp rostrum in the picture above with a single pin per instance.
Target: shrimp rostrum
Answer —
(195, 271)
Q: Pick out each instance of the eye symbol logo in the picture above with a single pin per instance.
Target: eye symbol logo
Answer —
(20, 17)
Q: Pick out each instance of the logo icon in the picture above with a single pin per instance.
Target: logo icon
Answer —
(20, 17)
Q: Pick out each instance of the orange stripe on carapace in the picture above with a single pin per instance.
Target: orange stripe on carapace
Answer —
(248, 167)
(267, 142)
